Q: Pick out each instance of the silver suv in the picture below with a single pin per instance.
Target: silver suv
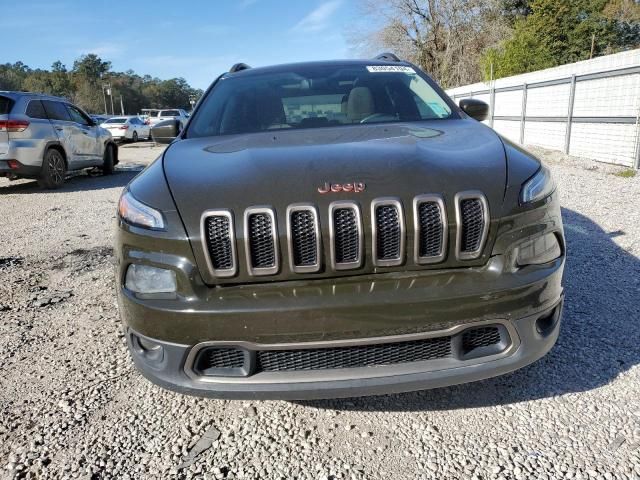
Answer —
(45, 137)
(169, 114)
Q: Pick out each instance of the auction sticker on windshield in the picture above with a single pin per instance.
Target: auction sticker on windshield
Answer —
(390, 68)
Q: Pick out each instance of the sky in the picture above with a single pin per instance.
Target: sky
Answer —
(196, 40)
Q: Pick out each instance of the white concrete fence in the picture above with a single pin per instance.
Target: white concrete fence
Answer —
(590, 109)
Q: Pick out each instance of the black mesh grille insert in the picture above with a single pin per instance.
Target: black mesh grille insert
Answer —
(261, 241)
(479, 337)
(218, 235)
(347, 242)
(222, 358)
(472, 224)
(354, 357)
(388, 232)
(431, 229)
(303, 238)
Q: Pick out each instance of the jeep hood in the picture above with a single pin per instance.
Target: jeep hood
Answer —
(279, 168)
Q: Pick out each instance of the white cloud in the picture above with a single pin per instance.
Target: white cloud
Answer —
(105, 50)
(318, 19)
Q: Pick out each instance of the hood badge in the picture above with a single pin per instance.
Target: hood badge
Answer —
(355, 187)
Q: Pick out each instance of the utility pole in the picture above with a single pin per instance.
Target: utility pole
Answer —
(121, 106)
(113, 112)
(104, 98)
(593, 45)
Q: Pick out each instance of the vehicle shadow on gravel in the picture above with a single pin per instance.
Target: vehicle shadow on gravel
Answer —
(80, 182)
(598, 339)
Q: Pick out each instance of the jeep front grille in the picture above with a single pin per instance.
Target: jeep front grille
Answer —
(430, 229)
(219, 242)
(304, 238)
(346, 235)
(261, 241)
(388, 233)
(472, 216)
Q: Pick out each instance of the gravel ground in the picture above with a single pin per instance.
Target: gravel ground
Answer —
(71, 405)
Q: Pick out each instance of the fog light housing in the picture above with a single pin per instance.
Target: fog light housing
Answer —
(148, 349)
(540, 250)
(146, 279)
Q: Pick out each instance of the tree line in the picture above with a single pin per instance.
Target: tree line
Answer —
(464, 41)
(85, 85)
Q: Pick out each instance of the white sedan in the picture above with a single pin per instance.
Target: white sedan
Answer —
(127, 128)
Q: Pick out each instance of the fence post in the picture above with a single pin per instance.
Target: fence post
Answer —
(492, 104)
(572, 94)
(636, 162)
(523, 112)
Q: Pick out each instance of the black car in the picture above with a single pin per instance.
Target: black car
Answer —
(334, 229)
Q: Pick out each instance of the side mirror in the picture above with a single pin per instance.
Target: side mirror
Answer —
(166, 131)
(475, 108)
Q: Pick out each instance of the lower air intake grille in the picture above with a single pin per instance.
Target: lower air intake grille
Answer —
(303, 238)
(219, 241)
(354, 357)
(224, 358)
(346, 235)
(472, 217)
(479, 337)
(431, 230)
(388, 232)
(261, 241)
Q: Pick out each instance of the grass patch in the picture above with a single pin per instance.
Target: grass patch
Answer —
(629, 173)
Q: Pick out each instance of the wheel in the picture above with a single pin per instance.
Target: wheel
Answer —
(134, 137)
(108, 161)
(149, 137)
(54, 170)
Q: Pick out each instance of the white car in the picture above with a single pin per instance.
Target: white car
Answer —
(127, 128)
(168, 114)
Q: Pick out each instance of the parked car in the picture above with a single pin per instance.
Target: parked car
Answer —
(99, 119)
(275, 252)
(170, 114)
(127, 128)
(45, 137)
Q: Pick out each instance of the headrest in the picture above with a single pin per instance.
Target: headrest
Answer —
(360, 103)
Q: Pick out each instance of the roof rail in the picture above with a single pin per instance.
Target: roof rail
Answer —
(239, 66)
(388, 57)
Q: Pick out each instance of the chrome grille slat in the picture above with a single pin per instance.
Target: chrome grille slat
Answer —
(388, 232)
(430, 229)
(219, 243)
(303, 235)
(472, 216)
(261, 241)
(345, 230)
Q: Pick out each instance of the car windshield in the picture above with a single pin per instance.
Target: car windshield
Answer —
(317, 96)
(117, 120)
(170, 113)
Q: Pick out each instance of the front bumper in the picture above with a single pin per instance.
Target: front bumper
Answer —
(328, 313)
(527, 343)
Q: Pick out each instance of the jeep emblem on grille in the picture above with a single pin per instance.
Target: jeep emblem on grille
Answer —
(355, 187)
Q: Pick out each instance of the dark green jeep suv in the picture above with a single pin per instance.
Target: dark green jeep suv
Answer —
(334, 229)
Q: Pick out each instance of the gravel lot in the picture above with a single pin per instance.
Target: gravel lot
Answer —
(71, 405)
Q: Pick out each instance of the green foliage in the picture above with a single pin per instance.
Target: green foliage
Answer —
(564, 31)
(629, 173)
(83, 85)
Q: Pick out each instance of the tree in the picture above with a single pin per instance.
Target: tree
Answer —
(444, 37)
(565, 31)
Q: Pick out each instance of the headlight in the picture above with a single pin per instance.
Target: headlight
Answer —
(540, 250)
(538, 187)
(137, 213)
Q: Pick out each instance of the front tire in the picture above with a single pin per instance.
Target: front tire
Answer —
(108, 162)
(54, 170)
(134, 137)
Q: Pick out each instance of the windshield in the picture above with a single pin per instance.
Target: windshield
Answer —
(5, 105)
(116, 120)
(317, 97)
